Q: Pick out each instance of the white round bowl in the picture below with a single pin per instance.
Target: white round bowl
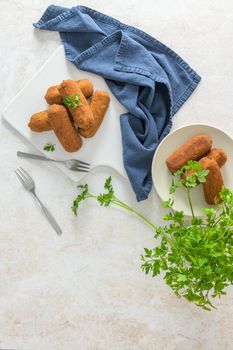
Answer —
(162, 177)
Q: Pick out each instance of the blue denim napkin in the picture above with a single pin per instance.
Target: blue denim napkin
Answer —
(147, 77)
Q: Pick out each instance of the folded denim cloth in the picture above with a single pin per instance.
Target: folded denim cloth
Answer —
(147, 77)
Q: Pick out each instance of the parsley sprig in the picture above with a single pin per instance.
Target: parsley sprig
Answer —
(194, 256)
(197, 175)
(49, 147)
(72, 101)
(105, 199)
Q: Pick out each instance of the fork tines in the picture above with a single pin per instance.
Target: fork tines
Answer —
(23, 175)
(83, 163)
(83, 168)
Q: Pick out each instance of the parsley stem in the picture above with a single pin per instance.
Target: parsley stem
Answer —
(118, 202)
(121, 204)
(190, 202)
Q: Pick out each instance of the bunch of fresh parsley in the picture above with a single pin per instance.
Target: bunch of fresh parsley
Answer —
(195, 256)
(72, 101)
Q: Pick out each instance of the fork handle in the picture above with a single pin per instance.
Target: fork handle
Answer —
(48, 215)
(32, 156)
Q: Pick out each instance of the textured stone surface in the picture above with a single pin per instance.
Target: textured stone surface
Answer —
(85, 290)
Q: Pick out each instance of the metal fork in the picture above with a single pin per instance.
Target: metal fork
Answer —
(29, 185)
(72, 164)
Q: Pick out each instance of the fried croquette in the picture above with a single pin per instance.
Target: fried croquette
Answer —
(216, 154)
(81, 112)
(214, 182)
(194, 149)
(53, 95)
(99, 105)
(39, 122)
(64, 129)
(86, 86)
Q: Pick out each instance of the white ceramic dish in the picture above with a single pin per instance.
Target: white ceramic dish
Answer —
(162, 177)
(104, 149)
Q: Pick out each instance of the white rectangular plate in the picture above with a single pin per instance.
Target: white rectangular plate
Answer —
(104, 149)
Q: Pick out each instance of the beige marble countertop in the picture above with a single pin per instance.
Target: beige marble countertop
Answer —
(85, 290)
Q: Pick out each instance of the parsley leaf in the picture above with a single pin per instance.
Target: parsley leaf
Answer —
(49, 147)
(201, 175)
(72, 101)
(106, 198)
(81, 197)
